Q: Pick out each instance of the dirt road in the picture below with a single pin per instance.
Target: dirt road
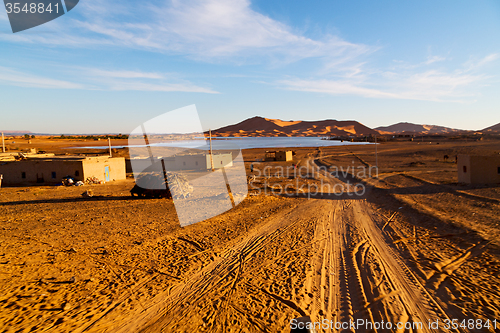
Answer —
(325, 258)
(119, 264)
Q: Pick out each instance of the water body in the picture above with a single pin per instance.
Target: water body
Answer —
(247, 143)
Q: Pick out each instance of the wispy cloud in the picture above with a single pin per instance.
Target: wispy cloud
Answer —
(20, 79)
(166, 87)
(124, 74)
(230, 31)
(475, 64)
(220, 28)
(138, 81)
(438, 86)
(333, 87)
(399, 65)
(433, 59)
(205, 30)
(98, 79)
(460, 85)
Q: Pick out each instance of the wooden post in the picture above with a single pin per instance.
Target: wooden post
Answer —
(146, 140)
(109, 143)
(3, 144)
(211, 153)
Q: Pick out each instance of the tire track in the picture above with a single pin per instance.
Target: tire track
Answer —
(219, 280)
(364, 258)
(419, 304)
(351, 274)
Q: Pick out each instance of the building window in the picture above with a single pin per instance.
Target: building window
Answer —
(196, 163)
(220, 162)
(77, 173)
(53, 175)
(23, 175)
(465, 168)
(183, 163)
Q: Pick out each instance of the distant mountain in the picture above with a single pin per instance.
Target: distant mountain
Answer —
(15, 132)
(410, 128)
(259, 126)
(494, 128)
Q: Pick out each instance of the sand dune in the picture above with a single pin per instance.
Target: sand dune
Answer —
(494, 128)
(416, 129)
(259, 126)
(282, 123)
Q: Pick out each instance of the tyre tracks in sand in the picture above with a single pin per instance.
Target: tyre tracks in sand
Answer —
(355, 275)
(235, 293)
(325, 258)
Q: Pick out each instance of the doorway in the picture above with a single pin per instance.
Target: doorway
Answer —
(106, 173)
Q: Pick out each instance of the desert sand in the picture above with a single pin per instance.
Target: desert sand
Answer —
(414, 247)
(265, 127)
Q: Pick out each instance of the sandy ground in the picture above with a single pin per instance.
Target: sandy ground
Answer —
(414, 247)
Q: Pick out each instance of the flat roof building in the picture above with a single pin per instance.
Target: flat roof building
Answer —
(279, 155)
(51, 170)
(183, 162)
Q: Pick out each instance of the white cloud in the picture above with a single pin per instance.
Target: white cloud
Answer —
(220, 28)
(433, 79)
(124, 74)
(207, 30)
(433, 59)
(16, 78)
(474, 64)
(137, 81)
(231, 31)
(334, 88)
(432, 85)
(165, 87)
(97, 79)
(439, 86)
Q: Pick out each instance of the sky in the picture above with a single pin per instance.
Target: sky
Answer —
(108, 66)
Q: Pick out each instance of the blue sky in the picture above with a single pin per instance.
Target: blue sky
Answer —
(108, 66)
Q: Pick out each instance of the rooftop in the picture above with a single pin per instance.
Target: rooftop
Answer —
(51, 157)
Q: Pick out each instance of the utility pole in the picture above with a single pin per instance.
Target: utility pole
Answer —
(3, 144)
(109, 143)
(376, 153)
(211, 154)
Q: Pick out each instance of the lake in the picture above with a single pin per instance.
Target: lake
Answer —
(247, 143)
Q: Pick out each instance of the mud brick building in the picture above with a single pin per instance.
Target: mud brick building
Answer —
(477, 169)
(51, 170)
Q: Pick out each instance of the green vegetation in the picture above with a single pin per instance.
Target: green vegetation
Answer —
(91, 137)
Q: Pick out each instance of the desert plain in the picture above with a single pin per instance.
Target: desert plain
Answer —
(414, 246)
